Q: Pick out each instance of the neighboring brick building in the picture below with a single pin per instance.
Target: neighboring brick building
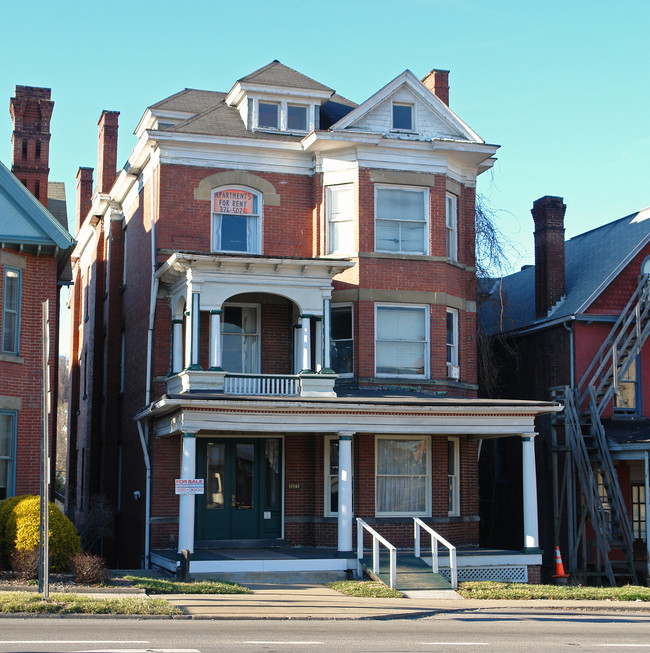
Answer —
(276, 295)
(34, 261)
(577, 321)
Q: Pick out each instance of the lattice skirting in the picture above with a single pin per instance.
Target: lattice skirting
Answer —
(502, 574)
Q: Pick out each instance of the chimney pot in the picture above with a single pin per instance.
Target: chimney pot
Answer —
(107, 151)
(548, 214)
(437, 81)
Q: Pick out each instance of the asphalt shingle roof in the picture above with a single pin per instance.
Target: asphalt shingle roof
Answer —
(592, 260)
(277, 74)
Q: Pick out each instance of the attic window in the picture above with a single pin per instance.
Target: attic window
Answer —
(268, 115)
(403, 117)
(296, 118)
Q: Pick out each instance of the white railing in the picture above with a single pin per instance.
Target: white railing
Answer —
(261, 384)
(435, 538)
(376, 540)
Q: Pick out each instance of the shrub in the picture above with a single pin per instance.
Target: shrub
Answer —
(21, 532)
(96, 522)
(89, 568)
(7, 545)
(25, 563)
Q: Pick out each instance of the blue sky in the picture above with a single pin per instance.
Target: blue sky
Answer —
(562, 86)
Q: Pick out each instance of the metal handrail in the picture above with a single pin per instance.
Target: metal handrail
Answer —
(435, 538)
(376, 540)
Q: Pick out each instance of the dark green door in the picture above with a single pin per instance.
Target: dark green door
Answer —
(242, 489)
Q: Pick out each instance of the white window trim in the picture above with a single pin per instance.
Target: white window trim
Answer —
(326, 472)
(454, 509)
(427, 344)
(258, 329)
(428, 486)
(213, 213)
(5, 310)
(451, 227)
(412, 130)
(283, 116)
(11, 466)
(346, 375)
(328, 204)
(454, 352)
(427, 229)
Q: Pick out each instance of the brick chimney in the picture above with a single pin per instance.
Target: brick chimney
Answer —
(107, 152)
(548, 214)
(437, 81)
(84, 195)
(31, 111)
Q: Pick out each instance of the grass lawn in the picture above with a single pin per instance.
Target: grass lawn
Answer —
(365, 588)
(31, 602)
(492, 590)
(170, 586)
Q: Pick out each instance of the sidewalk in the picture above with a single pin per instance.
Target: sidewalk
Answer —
(302, 601)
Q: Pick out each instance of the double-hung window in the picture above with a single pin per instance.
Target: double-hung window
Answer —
(268, 115)
(7, 453)
(402, 220)
(403, 476)
(340, 218)
(11, 311)
(452, 226)
(342, 340)
(402, 341)
(453, 476)
(453, 370)
(236, 220)
(296, 117)
(240, 338)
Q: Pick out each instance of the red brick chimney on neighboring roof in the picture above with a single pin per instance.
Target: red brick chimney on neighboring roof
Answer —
(548, 214)
(84, 195)
(107, 153)
(437, 81)
(31, 111)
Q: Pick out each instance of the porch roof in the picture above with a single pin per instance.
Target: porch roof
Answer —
(475, 418)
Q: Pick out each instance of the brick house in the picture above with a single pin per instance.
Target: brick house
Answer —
(34, 262)
(276, 297)
(573, 327)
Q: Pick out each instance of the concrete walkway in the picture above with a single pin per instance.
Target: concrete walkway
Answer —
(303, 601)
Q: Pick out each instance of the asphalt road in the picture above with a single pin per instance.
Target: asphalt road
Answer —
(512, 630)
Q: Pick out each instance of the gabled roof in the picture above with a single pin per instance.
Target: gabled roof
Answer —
(25, 221)
(277, 74)
(592, 261)
(454, 124)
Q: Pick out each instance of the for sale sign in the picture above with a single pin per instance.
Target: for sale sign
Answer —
(189, 486)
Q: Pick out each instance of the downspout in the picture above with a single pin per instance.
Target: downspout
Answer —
(571, 345)
(152, 314)
(147, 505)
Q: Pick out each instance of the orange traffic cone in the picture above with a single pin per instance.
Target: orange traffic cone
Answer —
(560, 576)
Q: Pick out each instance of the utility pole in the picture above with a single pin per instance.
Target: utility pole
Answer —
(44, 539)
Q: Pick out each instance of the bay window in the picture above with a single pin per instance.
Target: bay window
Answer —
(452, 226)
(7, 453)
(453, 370)
(402, 341)
(403, 476)
(402, 220)
(342, 341)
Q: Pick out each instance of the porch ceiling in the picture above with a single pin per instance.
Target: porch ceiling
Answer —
(474, 418)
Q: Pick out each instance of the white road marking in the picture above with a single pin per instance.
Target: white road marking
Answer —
(625, 645)
(455, 643)
(297, 643)
(142, 650)
(74, 641)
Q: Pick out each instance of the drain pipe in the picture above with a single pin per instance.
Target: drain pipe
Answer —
(152, 314)
(147, 502)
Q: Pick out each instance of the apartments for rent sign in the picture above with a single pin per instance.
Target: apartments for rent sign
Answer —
(234, 201)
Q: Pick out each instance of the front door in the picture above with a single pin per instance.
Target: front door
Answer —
(242, 488)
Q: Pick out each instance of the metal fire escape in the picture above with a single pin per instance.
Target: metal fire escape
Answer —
(587, 453)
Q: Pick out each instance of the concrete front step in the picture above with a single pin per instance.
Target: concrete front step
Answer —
(413, 576)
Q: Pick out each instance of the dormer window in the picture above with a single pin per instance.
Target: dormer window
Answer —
(296, 118)
(402, 117)
(268, 115)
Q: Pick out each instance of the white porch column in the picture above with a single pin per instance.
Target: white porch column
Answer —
(305, 342)
(177, 345)
(194, 336)
(327, 336)
(215, 339)
(345, 492)
(186, 505)
(318, 346)
(529, 481)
